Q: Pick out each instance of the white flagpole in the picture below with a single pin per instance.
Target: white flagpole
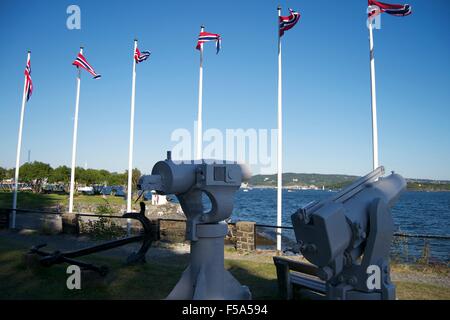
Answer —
(280, 142)
(200, 107)
(19, 147)
(74, 145)
(374, 98)
(130, 151)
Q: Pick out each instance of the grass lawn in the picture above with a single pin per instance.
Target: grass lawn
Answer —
(153, 280)
(421, 291)
(28, 200)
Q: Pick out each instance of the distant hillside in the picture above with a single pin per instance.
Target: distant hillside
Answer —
(428, 185)
(337, 181)
(329, 181)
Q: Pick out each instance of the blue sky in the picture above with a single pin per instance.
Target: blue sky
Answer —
(327, 122)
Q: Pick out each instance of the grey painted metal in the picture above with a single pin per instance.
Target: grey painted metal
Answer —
(349, 232)
(205, 278)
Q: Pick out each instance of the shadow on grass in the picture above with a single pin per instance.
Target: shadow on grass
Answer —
(260, 278)
(148, 281)
(152, 280)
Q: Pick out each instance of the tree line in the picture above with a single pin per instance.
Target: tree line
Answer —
(36, 173)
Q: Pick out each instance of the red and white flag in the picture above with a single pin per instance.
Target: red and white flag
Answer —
(81, 61)
(399, 10)
(208, 36)
(288, 22)
(141, 56)
(28, 82)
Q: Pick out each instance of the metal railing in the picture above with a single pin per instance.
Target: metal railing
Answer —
(396, 234)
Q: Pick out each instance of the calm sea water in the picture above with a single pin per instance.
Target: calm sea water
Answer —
(415, 212)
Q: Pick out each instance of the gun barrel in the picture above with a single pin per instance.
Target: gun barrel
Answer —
(149, 182)
(348, 192)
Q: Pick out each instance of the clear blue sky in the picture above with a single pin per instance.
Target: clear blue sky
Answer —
(326, 81)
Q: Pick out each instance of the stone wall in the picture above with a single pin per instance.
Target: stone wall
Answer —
(172, 231)
(242, 234)
(70, 223)
(230, 238)
(245, 236)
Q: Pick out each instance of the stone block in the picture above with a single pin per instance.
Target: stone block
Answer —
(70, 223)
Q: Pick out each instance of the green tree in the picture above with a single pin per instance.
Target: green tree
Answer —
(104, 176)
(135, 175)
(3, 172)
(117, 179)
(60, 174)
(10, 173)
(35, 173)
(80, 175)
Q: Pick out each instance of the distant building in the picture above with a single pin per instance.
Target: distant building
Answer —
(158, 199)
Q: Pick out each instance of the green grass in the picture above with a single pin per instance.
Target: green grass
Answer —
(148, 281)
(153, 280)
(28, 200)
(420, 291)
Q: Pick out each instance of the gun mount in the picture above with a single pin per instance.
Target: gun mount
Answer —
(205, 277)
(349, 235)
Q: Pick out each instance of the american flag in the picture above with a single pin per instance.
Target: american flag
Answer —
(141, 56)
(28, 82)
(399, 10)
(288, 22)
(207, 36)
(81, 61)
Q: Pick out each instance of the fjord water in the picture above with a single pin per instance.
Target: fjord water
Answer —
(414, 213)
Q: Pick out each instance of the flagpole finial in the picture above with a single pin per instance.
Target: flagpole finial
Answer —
(202, 26)
(279, 7)
(135, 39)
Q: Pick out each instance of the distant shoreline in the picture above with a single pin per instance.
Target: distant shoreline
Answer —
(335, 182)
(334, 190)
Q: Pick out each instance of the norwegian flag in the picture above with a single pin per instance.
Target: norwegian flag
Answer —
(399, 10)
(288, 22)
(81, 61)
(206, 37)
(28, 82)
(141, 56)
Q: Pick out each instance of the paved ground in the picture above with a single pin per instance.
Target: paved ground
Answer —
(62, 242)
